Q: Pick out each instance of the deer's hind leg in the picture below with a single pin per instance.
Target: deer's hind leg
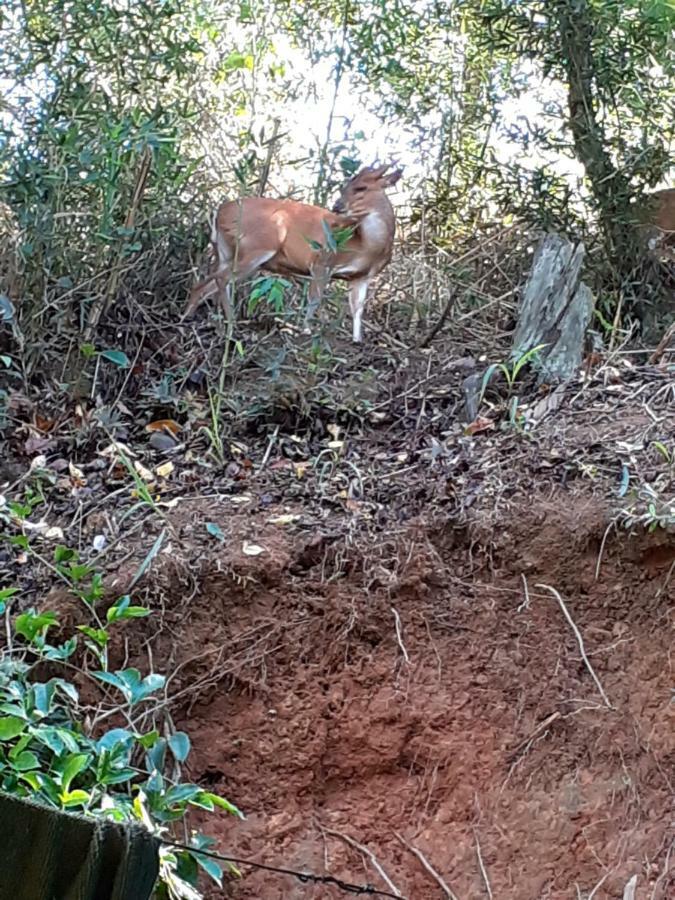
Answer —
(242, 262)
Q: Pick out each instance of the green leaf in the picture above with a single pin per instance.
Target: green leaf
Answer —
(98, 635)
(148, 740)
(625, 480)
(113, 737)
(62, 652)
(13, 709)
(180, 745)
(129, 682)
(32, 779)
(156, 755)
(6, 593)
(70, 767)
(328, 234)
(181, 793)
(74, 798)
(224, 804)
(203, 802)
(78, 572)
(11, 727)
(64, 554)
(237, 60)
(489, 372)
(118, 357)
(111, 679)
(526, 358)
(659, 445)
(95, 590)
(29, 625)
(49, 736)
(211, 867)
(42, 696)
(155, 784)
(20, 745)
(26, 761)
(67, 688)
(122, 610)
(150, 684)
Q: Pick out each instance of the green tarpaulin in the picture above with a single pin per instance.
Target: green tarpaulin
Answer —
(49, 855)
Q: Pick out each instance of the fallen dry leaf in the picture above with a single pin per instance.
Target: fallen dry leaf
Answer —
(478, 425)
(35, 444)
(164, 425)
(252, 549)
(145, 474)
(114, 449)
(77, 475)
(38, 462)
(169, 504)
(284, 519)
(43, 424)
(165, 469)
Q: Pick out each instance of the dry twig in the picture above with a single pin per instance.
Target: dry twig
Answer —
(481, 865)
(430, 869)
(580, 642)
(366, 852)
(399, 638)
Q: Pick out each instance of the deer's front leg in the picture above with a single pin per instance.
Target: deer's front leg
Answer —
(357, 301)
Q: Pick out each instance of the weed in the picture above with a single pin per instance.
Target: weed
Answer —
(55, 750)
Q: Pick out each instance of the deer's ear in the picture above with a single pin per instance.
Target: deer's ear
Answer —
(391, 179)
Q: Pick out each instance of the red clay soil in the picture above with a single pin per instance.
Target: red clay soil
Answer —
(372, 662)
(423, 699)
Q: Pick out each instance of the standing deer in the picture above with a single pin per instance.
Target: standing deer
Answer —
(286, 237)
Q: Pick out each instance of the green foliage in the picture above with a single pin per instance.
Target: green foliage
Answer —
(511, 370)
(271, 290)
(94, 148)
(614, 65)
(57, 749)
(648, 508)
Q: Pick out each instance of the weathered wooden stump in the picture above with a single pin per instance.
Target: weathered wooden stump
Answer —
(555, 309)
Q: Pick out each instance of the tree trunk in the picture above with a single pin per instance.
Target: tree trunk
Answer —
(610, 186)
(555, 310)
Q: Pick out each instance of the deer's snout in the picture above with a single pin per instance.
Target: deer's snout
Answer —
(339, 206)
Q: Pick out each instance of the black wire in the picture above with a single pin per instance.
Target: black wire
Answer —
(303, 877)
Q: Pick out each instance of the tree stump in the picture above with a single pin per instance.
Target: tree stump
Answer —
(555, 309)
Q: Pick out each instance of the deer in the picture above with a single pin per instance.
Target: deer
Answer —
(287, 237)
(658, 221)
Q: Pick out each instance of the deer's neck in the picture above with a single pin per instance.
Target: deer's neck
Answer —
(377, 228)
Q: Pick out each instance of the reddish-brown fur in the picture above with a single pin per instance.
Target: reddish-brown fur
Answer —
(662, 214)
(276, 235)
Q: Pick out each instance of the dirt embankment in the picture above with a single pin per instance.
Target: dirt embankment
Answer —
(426, 691)
(372, 654)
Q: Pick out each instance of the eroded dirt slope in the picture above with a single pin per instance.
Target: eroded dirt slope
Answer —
(371, 657)
(477, 728)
